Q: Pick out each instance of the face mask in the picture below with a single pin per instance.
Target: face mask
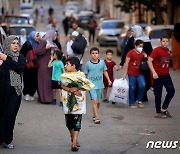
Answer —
(139, 49)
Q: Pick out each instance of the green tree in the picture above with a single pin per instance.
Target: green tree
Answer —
(153, 5)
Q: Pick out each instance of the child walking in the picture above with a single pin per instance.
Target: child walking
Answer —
(110, 64)
(57, 69)
(94, 69)
(74, 84)
(159, 62)
(132, 64)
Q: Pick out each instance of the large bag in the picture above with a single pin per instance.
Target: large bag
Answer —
(32, 60)
(144, 65)
(79, 45)
(120, 91)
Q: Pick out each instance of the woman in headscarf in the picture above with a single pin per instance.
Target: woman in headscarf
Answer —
(44, 51)
(30, 75)
(176, 46)
(10, 88)
(138, 34)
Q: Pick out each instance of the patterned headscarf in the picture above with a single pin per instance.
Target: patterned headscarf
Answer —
(31, 39)
(50, 34)
(15, 78)
(140, 35)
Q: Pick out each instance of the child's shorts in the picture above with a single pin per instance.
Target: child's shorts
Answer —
(73, 121)
(96, 94)
(56, 84)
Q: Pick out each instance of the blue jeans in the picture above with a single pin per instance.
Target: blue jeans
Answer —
(166, 81)
(133, 81)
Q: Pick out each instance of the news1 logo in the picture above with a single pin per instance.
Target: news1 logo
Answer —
(162, 144)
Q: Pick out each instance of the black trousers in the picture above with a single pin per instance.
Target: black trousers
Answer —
(91, 34)
(29, 81)
(161, 81)
(8, 117)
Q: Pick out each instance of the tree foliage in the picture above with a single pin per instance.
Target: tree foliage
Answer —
(153, 5)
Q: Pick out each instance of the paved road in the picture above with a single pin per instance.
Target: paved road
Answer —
(40, 129)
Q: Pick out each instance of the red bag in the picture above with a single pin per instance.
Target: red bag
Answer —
(32, 60)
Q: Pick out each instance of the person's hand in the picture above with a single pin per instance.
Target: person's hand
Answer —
(78, 93)
(124, 76)
(109, 83)
(3, 56)
(48, 47)
(73, 89)
(120, 68)
(155, 76)
(52, 57)
(145, 55)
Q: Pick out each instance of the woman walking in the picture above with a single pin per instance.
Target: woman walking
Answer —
(44, 50)
(10, 88)
(30, 75)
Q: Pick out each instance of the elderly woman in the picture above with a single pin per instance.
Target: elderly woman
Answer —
(138, 34)
(10, 88)
(30, 75)
(44, 51)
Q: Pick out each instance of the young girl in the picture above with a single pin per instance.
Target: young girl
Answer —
(110, 66)
(133, 60)
(57, 69)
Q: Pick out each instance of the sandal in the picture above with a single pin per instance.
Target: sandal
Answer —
(166, 112)
(160, 115)
(9, 146)
(93, 118)
(74, 148)
(97, 121)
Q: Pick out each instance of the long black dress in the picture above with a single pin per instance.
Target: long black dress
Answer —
(9, 100)
(29, 75)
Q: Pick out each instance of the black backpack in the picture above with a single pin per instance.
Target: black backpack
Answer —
(79, 45)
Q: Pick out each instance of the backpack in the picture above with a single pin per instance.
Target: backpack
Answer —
(32, 60)
(79, 45)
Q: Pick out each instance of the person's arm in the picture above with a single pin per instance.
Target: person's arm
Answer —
(150, 64)
(49, 64)
(74, 90)
(126, 67)
(9, 64)
(116, 67)
(107, 77)
(41, 49)
(129, 46)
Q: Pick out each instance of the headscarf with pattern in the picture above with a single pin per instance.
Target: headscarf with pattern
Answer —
(140, 35)
(15, 79)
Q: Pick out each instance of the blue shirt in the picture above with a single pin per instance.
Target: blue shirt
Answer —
(95, 73)
(57, 70)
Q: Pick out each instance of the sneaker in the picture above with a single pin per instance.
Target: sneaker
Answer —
(140, 105)
(27, 97)
(133, 106)
(31, 98)
(113, 102)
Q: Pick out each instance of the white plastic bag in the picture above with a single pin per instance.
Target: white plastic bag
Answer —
(120, 91)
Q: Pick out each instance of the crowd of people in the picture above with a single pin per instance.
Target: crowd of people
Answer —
(61, 72)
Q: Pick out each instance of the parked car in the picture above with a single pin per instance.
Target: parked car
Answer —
(13, 19)
(26, 4)
(28, 13)
(109, 31)
(83, 18)
(15, 29)
(157, 31)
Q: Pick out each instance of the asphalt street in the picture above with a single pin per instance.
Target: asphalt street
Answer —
(40, 128)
